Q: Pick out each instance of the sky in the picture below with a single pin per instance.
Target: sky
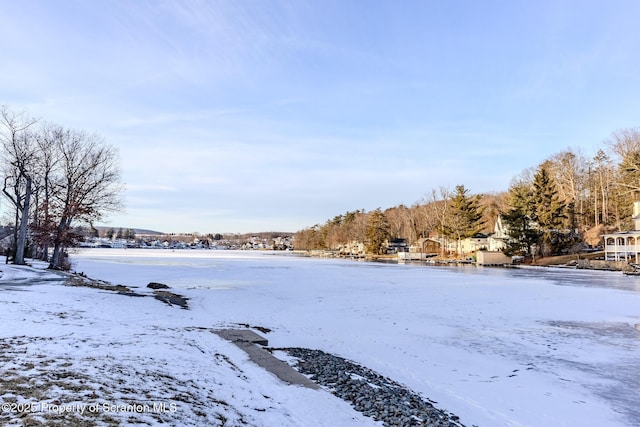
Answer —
(242, 116)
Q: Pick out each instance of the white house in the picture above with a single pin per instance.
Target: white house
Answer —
(468, 245)
(497, 240)
(624, 245)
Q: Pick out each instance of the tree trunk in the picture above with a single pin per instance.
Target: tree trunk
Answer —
(24, 221)
(44, 256)
(54, 264)
(58, 245)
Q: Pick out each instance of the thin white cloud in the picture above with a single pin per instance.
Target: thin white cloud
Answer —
(150, 187)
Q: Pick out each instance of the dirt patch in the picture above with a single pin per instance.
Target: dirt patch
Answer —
(165, 296)
(171, 298)
(79, 280)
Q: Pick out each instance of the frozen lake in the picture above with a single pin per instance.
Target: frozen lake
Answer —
(533, 347)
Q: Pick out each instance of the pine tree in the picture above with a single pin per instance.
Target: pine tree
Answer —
(518, 221)
(464, 217)
(377, 232)
(548, 213)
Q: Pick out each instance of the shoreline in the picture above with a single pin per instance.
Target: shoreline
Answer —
(582, 261)
(366, 391)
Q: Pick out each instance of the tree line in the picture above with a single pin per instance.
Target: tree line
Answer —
(53, 179)
(566, 202)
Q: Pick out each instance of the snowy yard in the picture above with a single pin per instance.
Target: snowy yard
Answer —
(81, 356)
(517, 347)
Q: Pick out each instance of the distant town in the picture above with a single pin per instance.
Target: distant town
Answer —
(102, 237)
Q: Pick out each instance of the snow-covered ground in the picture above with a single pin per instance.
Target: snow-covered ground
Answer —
(512, 347)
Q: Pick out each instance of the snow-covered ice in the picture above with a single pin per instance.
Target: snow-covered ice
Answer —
(512, 347)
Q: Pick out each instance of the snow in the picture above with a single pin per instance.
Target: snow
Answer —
(510, 347)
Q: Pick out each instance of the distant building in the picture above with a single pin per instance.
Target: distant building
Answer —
(420, 250)
(397, 245)
(624, 245)
(497, 240)
(353, 249)
(468, 245)
(492, 258)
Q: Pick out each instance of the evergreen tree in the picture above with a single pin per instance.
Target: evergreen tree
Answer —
(518, 221)
(377, 232)
(464, 217)
(549, 213)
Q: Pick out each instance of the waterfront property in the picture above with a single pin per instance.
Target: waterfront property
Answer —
(492, 258)
(624, 245)
(421, 250)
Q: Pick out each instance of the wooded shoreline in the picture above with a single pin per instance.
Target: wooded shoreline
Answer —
(582, 261)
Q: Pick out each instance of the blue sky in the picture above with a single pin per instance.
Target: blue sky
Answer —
(239, 116)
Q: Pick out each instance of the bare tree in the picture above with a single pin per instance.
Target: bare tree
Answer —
(86, 186)
(416, 227)
(602, 181)
(625, 146)
(570, 173)
(48, 158)
(436, 212)
(399, 218)
(18, 156)
(423, 219)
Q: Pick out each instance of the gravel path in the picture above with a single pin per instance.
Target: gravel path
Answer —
(370, 393)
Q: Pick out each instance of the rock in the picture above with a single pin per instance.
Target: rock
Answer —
(369, 392)
(155, 285)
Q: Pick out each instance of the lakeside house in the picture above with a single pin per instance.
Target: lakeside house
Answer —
(422, 249)
(468, 245)
(494, 242)
(497, 241)
(430, 247)
(624, 245)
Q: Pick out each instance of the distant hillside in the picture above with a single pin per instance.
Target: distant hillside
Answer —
(260, 234)
(102, 229)
(229, 236)
(148, 232)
